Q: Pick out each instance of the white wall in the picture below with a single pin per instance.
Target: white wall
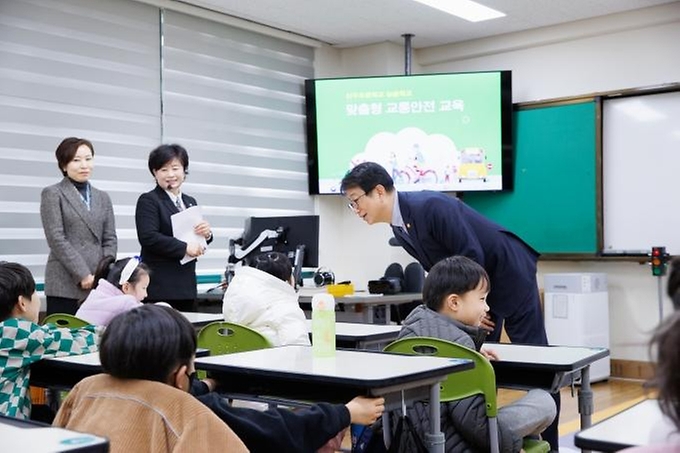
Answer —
(621, 51)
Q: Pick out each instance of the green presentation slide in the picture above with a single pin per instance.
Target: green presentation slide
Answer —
(437, 131)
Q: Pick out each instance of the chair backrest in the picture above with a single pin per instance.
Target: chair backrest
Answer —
(222, 337)
(65, 320)
(395, 270)
(480, 380)
(414, 278)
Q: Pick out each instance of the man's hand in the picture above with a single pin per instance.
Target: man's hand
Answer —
(487, 324)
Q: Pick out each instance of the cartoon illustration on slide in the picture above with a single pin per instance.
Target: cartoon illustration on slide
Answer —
(412, 156)
(472, 164)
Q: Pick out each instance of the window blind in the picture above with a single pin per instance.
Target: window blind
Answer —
(129, 76)
(234, 99)
(86, 68)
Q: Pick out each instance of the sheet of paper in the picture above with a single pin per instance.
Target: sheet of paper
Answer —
(183, 224)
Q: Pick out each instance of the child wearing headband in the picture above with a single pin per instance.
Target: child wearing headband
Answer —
(121, 286)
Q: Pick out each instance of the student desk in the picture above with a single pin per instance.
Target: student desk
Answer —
(201, 319)
(356, 335)
(368, 301)
(292, 372)
(66, 372)
(641, 424)
(547, 367)
(25, 435)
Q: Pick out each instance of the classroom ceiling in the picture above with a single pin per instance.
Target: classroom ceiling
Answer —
(351, 23)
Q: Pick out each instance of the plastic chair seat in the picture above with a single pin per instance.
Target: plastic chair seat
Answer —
(65, 320)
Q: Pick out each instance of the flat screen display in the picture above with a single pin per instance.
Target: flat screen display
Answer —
(445, 132)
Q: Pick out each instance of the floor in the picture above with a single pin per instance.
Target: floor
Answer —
(610, 397)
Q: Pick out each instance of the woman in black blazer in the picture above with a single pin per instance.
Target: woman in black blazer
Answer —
(171, 281)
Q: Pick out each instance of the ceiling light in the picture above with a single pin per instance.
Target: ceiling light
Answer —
(466, 9)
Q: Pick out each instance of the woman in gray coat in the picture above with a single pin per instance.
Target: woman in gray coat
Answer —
(79, 226)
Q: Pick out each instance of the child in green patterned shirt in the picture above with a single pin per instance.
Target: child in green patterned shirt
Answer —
(23, 341)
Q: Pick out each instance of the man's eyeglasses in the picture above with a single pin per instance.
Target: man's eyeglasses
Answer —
(353, 204)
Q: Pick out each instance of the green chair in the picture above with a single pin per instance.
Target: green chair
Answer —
(65, 320)
(221, 337)
(481, 380)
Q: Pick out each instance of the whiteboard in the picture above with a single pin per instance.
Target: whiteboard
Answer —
(641, 173)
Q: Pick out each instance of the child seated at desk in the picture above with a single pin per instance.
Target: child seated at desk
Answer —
(142, 402)
(263, 298)
(23, 341)
(121, 286)
(454, 297)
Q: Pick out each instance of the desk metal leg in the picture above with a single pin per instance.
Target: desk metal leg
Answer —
(387, 429)
(435, 438)
(369, 314)
(585, 399)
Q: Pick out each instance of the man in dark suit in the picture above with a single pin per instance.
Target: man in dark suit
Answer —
(432, 226)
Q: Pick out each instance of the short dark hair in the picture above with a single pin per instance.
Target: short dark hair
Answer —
(452, 275)
(15, 280)
(149, 342)
(160, 156)
(67, 149)
(367, 175)
(274, 263)
(667, 371)
(109, 269)
(673, 287)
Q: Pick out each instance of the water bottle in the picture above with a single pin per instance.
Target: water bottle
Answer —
(323, 325)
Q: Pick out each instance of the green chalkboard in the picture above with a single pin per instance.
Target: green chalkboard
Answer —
(553, 206)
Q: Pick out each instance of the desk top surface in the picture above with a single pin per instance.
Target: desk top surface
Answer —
(346, 365)
(202, 318)
(305, 294)
(641, 424)
(91, 360)
(563, 358)
(21, 435)
(365, 298)
(361, 330)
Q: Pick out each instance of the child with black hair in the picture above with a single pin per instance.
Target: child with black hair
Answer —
(673, 287)
(141, 403)
(23, 341)
(121, 286)
(454, 297)
(262, 297)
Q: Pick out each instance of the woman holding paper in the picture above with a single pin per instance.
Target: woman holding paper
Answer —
(172, 260)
